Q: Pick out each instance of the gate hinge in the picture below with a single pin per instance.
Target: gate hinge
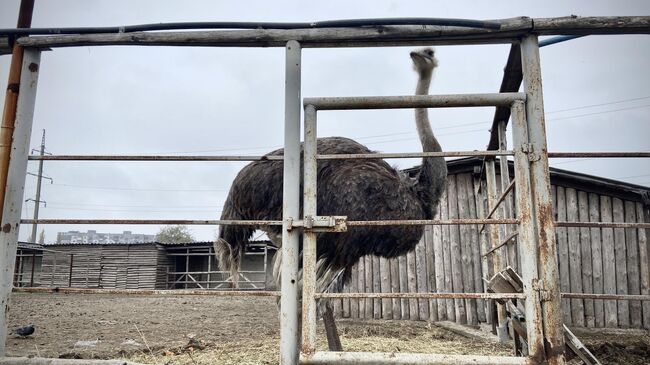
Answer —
(322, 224)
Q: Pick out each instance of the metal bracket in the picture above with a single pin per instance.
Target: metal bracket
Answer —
(544, 295)
(322, 224)
(528, 149)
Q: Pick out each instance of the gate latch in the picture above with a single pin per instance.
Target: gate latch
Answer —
(323, 223)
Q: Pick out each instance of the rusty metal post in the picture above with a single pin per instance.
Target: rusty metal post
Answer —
(309, 237)
(11, 97)
(289, 329)
(542, 204)
(13, 202)
(527, 236)
(495, 239)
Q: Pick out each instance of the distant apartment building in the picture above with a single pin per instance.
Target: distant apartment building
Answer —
(76, 237)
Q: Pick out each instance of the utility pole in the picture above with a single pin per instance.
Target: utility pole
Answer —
(37, 200)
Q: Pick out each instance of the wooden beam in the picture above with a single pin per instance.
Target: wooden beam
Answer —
(512, 77)
(402, 35)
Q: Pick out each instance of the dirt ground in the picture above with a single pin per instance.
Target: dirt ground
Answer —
(209, 330)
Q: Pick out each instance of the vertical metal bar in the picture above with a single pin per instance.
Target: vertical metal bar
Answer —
(12, 207)
(309, 237)
(11, 97)
(542, 204)
(527, 235)
(70, 271)
(495, 239)
(290, 208)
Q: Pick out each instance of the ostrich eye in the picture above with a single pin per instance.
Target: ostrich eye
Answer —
(429, 52)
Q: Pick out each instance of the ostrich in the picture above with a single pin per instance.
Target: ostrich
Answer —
(366, 189)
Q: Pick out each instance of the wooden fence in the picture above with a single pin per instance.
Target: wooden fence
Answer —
(450, 259)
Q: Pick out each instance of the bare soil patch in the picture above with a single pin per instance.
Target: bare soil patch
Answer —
(199, 330)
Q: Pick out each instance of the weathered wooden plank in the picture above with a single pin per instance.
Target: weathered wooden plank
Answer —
(354, 288)
(480, 189)
(369, 305)
(575, 258)
(439, 269)
(597, 259)
(563, 253)
(431, 271)
(644, 264)
(609, 262)
(394, 287)
(446, 247)
(456, 251)
(466, 248)
(475, 246)
(376, 286)
(404, 286)
(361, 286)
(421, 276)
(585, 254)
(621, 263)
(345, 312)
(386, 304)
(412, 285)
(633, 282)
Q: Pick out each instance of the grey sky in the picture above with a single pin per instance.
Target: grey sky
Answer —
(173, 100)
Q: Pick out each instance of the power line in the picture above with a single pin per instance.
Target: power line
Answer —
(137, 189)
(133, 206)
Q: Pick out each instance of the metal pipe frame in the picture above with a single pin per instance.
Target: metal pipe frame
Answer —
(156, 292)
(424, 295)
(527, 243)
(289, 321)
(13, 200)
(414, 101)
(542, 212)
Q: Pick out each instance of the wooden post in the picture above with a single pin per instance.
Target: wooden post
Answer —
(376, 286)
(386, 304)
(421, 276)
(412, 284)
(446, 250)
(431, 271)
(354, 288)
(394, 287)
(465, 245)
(475, 247)
(403, 286)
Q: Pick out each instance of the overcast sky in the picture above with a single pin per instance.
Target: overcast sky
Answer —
(211, 101)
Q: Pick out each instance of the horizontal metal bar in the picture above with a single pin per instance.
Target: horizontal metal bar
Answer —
(358, 358)
(150, 158)
(435, 222)
(424, 295)
(162, 158)
(597, 154)
(606, 296)
(154, 221)
(510, 237)
(414, 101)
(166, 292)
(602, 224)
(413, 155)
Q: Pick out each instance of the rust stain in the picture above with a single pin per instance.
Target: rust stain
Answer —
(33, 67)
(6, 228)
(13, 87)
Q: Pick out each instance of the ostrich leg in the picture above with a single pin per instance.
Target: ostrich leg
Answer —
(333, 340)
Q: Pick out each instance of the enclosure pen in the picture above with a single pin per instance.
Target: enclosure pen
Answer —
(534, 253)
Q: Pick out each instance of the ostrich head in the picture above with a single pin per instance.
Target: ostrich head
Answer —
(424, 60)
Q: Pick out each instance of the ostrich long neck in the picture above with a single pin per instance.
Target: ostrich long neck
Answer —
(431, 180)
(429, 141)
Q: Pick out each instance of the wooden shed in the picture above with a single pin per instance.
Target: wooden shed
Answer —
(456, 258)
